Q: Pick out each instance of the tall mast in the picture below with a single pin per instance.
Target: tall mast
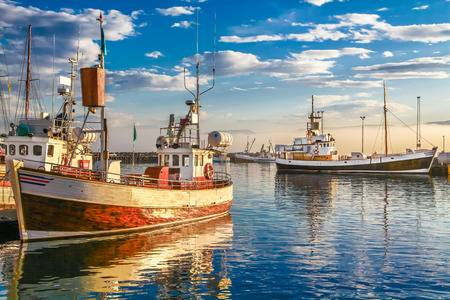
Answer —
(385, 121)
(104, 129)
(197, 102)
(28, 81)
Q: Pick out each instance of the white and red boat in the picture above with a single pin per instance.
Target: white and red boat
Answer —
(37, 137)
(60, 201)
(316, 153)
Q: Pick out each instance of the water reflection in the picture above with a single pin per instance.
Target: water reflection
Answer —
(357, 215)
(176, 261)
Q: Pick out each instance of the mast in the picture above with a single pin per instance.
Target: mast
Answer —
(28, 80)
(385, 121)
(104, 129)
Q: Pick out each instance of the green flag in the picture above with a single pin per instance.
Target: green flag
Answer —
(135, 134)
(103, 45)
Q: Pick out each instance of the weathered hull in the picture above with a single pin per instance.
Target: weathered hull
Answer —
(54, 206)
(409, 163)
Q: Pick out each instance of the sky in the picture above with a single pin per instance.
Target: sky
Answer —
(270, 58)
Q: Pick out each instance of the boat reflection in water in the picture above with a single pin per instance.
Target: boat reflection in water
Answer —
(174, 261)
(353, 207)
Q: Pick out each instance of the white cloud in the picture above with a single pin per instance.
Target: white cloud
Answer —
(359, 28)
(363, 95)
(387, 54)
(182, 24)
(232, 63)
(154, 54)
(421, 7)
(383, 9)
(176, 11)
(65, 25)
(318, 2)
(109, 98)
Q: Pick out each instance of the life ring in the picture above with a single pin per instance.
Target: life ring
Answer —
(64, 160)
(316, 152)
(209, 171)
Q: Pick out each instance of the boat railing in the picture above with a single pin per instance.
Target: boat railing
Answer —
(220, 179)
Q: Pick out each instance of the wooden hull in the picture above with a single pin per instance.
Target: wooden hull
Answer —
(55, 206)
(418, 163)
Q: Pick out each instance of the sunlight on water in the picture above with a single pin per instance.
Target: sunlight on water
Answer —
(287, 236)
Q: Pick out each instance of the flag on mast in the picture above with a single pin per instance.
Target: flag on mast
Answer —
(9, 84)
(103, 44)
(135, 134)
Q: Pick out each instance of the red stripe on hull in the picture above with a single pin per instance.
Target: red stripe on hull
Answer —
(49, 214)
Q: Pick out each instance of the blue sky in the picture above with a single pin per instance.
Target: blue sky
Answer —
(271, 56)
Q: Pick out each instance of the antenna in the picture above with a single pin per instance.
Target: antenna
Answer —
(53, 87)
(214, 57)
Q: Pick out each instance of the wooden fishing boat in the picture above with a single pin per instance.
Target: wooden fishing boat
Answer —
(37, 137)
(63, 201)
(316, 153)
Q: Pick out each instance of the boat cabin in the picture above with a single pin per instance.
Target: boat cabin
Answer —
(36, 144)
(191, 164)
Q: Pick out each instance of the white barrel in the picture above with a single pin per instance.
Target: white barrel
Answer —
(444, 158)
(220, 139)
(84, 136)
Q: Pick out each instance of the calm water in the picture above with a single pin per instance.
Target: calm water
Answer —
(288, 236)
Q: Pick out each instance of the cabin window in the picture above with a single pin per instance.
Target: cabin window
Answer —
(175, 160)
(161, 163)
(201, 160)
(210, 156)
(166, 160)
(50, 150)
(12, 149)
(185, 160)
(23, 150)
(4, 147)
(37, 150)
(196, 160)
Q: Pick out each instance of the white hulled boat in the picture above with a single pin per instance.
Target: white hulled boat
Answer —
(316, 152)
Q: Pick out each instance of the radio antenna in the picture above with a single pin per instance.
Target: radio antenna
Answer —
(214, 57)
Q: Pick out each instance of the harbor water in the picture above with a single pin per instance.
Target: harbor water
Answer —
(288, 236)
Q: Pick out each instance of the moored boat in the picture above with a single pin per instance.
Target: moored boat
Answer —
(316, 153)
(265, 155)
(60, 201)
(37, 137)
(245, 157)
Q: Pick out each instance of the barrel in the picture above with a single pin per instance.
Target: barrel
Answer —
(220, 139)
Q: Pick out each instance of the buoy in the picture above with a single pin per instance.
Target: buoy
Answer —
(209, 171)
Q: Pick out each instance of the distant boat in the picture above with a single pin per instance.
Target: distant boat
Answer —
(60, 201)
(221, 159)
(316, 152)
(265, 155)
(244, 157)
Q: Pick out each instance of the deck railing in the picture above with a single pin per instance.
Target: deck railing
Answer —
(220, 180)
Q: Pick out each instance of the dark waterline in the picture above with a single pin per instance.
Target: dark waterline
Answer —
(288, 236)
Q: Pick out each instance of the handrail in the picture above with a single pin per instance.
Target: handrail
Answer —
(220, 180)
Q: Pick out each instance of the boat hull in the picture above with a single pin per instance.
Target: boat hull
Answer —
(419, 163)
(56, 206)
(242, 158)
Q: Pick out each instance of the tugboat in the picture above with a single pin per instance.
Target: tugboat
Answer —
(316, 153)
(63, 201)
